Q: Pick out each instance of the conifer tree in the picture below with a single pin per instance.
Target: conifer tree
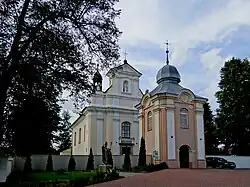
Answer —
(49, 166)
(27, 165)
(142, 153)
(90, 164)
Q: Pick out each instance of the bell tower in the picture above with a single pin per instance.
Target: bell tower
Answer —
(97, 80)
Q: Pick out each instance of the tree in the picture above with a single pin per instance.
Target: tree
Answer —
(61, 39)
(211, 141)
(233, 114)
(64, 137)
(90, 164)
(109, 157)
(142, 153)
(127, 162)
(49, 165)
(27, 164)
(72, 164)
(33, 125)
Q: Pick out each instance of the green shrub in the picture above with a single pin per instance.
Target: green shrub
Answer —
(49, 165)
(81, 182)
(156, 167)
(90, 164)
(72, 164)
(27, 165)
(142, 153)
(114, 175)
(98, 178)
(127, 162)
(137, 169)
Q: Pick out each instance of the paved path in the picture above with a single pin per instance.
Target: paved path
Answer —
(185, 178)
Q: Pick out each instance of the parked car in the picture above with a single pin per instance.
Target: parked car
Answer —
(221, 163)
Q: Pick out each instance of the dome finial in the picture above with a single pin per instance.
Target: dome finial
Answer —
(125, 56)
(167, 52)
(97, 67)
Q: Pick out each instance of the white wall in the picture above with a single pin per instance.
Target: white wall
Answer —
(6, 166)
(61, 161)
(240, 161)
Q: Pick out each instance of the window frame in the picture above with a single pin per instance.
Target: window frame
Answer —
(126, 129)
(80, 136)
(184, 118)
(75, 139)
(149, 121)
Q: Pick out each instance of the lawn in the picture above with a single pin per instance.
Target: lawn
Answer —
(52, 176)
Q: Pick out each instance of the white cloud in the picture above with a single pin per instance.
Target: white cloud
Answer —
(159, 20)
(143, 20)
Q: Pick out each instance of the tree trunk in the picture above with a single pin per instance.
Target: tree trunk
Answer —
(4, 85)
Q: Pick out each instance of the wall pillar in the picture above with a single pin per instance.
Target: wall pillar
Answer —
(200, 136)
(156, 118)
(171, 134)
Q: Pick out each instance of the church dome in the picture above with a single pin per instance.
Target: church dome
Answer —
(168, 73)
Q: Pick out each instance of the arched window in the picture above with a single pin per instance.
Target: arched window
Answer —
(75, 139)
(125, 130)
(125, 86)
(80, 136)
(184, 118)
(150, 121)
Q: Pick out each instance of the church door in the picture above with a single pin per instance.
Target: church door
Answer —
(184, 156)
(126, 150)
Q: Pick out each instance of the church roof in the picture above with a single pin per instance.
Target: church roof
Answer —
(168, 72)
(115, 69)
(168, 79)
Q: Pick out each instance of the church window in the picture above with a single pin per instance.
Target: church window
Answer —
(150, 121)
(80, 136)
(75, 139)
(84, 133)
(125, 129)
(125, 86)
(184, 118)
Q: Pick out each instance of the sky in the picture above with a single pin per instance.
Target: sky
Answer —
(202, 34)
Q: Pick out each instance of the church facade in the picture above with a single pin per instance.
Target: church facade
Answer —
(171, 122)
(111, 115)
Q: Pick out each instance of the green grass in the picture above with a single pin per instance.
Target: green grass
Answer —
(52, 176)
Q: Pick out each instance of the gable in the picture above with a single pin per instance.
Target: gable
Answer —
(124, 69)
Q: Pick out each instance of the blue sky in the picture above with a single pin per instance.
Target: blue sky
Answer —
(202, 35)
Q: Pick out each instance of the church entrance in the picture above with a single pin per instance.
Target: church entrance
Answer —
(184, 156)
(125, 150)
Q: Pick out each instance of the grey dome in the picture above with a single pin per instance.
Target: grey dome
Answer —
(168, 73)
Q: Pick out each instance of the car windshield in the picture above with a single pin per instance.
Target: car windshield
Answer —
(222, 160)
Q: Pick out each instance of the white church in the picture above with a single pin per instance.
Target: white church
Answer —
(111, 115)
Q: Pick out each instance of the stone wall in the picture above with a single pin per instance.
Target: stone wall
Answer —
(61, 161)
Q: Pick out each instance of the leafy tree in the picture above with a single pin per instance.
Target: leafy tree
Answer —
(90, 164)
(142, 153)
(49, 165)
(33, 125)
(211, 141)
(127, 162)
(64, 137)
(72, 164)
(27, 164)
(233, 114)
(61, 40)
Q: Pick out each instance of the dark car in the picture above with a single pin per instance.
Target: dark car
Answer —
(217, 162)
